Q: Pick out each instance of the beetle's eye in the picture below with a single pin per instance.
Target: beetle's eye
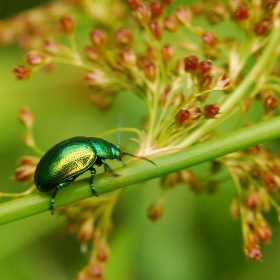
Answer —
(119, 154)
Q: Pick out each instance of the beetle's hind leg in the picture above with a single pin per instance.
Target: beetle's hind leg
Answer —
(53, 200)
(93, 172)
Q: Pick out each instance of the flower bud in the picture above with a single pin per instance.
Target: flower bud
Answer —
(28, 160)
(270, 102)
(241, 13)
(35, 58)
(96, 269)
(206, 82)
(133, 4)
(156, 8)
(204, 67)
(253, 252)
(92, 54)
(51, 47)
(156, 210)
(28, 139)
(67, 25)
(261, 28)
(86, 231)
(195, 113)
(156, 29)
(128, 59)
(98, 38)
(263, 232)
(150, 71)
(143, 13)
(123, 37)
(191, 63)
(96, 78)
(22, 72)
(167, 53)
(269, 180)
(103, 251)
(254, 149)
(24, 173)
(26, 117)
(210, 111)
(170, 23)
(252, 199)
(183, 117)
(184, 15)
(209, 39)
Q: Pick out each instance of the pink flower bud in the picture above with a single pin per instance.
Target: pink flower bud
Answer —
(35, 58)
(26, 117)
(98, 38)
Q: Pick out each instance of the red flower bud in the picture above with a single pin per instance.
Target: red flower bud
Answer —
(241, 13)
(261, 28)
(204, 67)
(133, 4)
(156, 8)
(156, 29)
(22, 72)
(191, 63)
(210, 111)
(183, 116)
(67, 25)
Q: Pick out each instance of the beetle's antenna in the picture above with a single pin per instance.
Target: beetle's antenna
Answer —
(120, 125)
(126, 153)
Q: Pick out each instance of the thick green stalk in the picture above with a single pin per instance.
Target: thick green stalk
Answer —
(140, 171)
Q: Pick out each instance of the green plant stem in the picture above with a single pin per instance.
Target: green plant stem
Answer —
(139, 171)
(241, 90)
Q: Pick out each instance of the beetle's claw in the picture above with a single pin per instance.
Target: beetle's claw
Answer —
(52, 209)
(116, 175)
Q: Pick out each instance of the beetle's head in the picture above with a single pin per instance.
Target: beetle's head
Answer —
(117, 153)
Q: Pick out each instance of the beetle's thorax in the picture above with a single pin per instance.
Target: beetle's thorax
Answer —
(104, 149)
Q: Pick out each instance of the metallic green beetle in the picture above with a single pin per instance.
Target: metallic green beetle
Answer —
(67, 160)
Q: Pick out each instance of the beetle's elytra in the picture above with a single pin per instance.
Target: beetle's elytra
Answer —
(67, 160)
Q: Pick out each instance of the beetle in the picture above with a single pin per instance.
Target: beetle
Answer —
(68, 159)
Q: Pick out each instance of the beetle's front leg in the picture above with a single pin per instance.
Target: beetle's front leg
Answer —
(93, 172)
(109, 168)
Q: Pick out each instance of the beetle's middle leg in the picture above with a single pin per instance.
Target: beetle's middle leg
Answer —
(93, 172)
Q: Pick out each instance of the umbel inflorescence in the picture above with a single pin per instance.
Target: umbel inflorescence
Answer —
(191, 79)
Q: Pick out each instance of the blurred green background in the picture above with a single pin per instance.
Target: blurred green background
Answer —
(196, 239)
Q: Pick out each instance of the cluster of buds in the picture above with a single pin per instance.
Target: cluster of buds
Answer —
(263, 167)
(90, 221)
